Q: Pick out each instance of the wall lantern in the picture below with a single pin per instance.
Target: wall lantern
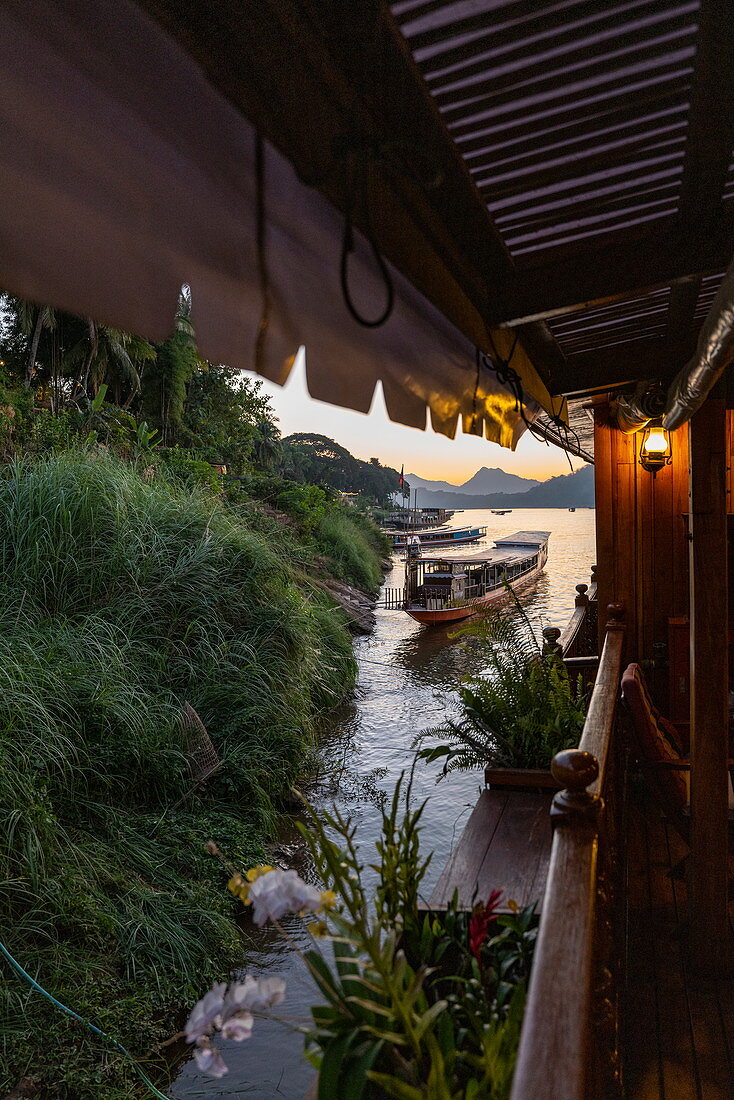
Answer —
(655, 449)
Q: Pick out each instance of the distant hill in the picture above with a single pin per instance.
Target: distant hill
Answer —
(567, 491)
(484, 481)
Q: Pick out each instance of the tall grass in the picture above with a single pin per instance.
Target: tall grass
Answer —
(120, 600)
(354, 545)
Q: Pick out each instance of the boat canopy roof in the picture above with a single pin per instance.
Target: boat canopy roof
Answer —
(503, 555)
(524, 538)
(491, 557)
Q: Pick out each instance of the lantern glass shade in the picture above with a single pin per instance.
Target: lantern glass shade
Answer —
(655, 451)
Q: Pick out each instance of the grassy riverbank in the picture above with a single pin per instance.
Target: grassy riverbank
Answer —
(119, 601)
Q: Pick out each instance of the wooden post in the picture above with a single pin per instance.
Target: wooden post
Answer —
(709, 686)
(551, 648)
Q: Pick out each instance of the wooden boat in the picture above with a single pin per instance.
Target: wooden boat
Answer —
(440, 590)
(402, 519)
(455, 536)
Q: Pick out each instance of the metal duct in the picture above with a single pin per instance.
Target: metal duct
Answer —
(637, 410)
(691, 386)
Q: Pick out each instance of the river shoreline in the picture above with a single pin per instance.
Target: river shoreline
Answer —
(407, 681)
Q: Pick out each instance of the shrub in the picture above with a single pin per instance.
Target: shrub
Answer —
(522, 712)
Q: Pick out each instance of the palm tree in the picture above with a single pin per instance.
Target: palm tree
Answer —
(108, 355)
(31, 320)
(267, 442)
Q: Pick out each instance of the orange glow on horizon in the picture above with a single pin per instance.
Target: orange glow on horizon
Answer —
(423, 453)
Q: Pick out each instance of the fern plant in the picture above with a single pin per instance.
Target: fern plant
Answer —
(519, 714)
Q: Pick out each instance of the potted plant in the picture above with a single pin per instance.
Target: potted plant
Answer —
(515, 717)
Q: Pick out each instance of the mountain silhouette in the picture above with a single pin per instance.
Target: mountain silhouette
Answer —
(485, 480)
(574, 490)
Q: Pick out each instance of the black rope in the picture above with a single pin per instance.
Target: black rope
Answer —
(356, 168)
(354, 155)
(508, 376)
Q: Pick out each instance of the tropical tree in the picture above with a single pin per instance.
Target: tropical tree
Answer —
(107, 356)
(176, 359)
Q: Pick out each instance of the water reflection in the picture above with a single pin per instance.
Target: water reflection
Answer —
(407, 682)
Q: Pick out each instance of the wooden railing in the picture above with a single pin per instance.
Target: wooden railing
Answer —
(571, 995)
(579, 636)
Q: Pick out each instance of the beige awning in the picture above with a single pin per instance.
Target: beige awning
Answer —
(124, 174)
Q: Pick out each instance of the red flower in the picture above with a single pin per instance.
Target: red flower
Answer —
(481, 918)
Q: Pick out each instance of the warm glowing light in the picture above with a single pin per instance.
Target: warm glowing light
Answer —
(655, 450)
(656, 442)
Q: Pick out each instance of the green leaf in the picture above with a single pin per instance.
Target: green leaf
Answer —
(393, 1086)
(98, 401)
(359, 1065)
(332, 1064)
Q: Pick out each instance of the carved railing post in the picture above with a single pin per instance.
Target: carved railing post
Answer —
(581, 598)
(552, 651)
(575, 770)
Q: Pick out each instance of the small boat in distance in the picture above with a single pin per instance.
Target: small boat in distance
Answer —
(572, 509)
(437, 537)
(443, 591)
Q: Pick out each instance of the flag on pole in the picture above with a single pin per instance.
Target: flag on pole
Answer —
(401, 482)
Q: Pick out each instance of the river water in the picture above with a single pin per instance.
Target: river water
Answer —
(407, 682)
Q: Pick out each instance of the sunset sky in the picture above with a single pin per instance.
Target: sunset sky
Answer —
(423, 453)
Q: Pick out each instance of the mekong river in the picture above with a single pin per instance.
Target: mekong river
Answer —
(407, 682)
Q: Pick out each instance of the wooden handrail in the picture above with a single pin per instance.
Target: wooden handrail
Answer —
(573, 639)
(555, 1043)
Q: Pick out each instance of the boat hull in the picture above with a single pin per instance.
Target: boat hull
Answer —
(444, 616)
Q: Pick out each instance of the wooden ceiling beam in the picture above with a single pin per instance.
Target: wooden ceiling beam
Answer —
(572, 280)
(634, 360)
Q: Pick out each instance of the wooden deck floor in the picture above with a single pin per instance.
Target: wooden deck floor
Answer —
(506, 845)
(678, 1035)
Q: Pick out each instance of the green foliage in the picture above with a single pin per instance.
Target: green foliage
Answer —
(227, 418)
(318, 459)
(521, 713)
(176, 464)
(118, 601)
(306, 503)
(416, 1006)
(166, 380)
(353, 545)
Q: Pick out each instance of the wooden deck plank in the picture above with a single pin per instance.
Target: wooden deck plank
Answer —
(642, 1072)
(711, 1063)
(691, 1053)
(517, 860)
(463, 866)
(677, 1053)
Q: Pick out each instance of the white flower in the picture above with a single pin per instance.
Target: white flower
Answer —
(208, 1059)
(238, 1026)
(205, 1014)
(253, 995)
(279, 892)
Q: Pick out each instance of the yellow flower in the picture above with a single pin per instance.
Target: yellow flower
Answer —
(235, 884)
(512, 905)
(256, 872)
(328, 899)
(318, 929)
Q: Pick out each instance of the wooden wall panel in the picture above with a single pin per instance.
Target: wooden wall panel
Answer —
(642, 548)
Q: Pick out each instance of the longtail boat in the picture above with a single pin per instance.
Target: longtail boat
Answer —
(453, 536)
(441, 590)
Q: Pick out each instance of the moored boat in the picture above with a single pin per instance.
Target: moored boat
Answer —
(440, 590)
(444, 536)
